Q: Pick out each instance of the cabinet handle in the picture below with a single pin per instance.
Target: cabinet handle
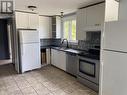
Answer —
(97, 24)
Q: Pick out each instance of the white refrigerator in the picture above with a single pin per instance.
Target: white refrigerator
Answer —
(113, 79)
(29, 50)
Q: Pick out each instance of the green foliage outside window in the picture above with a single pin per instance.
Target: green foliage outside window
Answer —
(73, 30)
(70, 29)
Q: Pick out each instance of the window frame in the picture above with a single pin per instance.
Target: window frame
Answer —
(70, 19)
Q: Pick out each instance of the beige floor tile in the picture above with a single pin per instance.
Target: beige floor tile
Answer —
(93, 93)
(80, 92)
(3, 92)
(41, 89)
(45, 81)
(59, 92)
(51, 86)
(28, 91)
(50, 94)
(16, 92)
(12, 88)
(23, 84)
(44, 91)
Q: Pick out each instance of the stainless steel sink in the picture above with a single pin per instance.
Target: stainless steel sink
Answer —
(67, 49)
(72, 50)
(60, 48)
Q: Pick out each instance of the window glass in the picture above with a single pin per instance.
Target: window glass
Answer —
(70, 30)
(73, 33)
(66, 29)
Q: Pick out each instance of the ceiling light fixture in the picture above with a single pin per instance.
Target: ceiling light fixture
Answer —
(32, 7)
(62, 14)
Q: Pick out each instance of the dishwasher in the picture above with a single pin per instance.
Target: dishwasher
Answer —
(71, 63)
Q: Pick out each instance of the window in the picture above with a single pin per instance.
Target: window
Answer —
(69, 27)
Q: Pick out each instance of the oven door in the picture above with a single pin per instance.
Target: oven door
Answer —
(89, 69)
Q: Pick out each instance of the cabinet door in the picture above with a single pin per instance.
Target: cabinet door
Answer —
(58, 59)
(33, 21)
(62, 60)
(48, 56)
(53, 57)
(95, 15)
(21, 20)
(45, 27)
(80, 24)
(58, 27)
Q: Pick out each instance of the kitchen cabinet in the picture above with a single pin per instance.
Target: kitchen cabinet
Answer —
(89, 19)
(21, 20)
(45, 26)
(95, 15)
(56, 27)
(33, 21)
(45, 56)
(58, 59)
(80, 23)
(48, 56)
(27, 20)
(112, 10)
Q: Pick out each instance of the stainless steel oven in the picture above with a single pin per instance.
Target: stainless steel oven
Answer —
(88, 72)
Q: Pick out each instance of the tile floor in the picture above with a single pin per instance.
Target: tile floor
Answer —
(3, 62)
(45, 81)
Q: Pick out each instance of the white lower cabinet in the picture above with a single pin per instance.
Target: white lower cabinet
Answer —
(58, 59)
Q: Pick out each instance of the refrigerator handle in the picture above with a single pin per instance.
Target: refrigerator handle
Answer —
(21, 49)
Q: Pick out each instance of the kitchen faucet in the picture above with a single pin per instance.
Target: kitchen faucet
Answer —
(67, 46)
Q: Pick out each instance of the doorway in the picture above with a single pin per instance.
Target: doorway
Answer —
(5, 42)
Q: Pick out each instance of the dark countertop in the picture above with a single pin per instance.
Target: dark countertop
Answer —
(82, 53)
(69, 50)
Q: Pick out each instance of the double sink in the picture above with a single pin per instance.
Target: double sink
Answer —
(67, 50)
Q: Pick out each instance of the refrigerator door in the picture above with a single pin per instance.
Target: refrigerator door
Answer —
(30, 57)
(115, 36)
(29, 36)
(114, 73)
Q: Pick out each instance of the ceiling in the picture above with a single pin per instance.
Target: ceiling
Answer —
(53, 7)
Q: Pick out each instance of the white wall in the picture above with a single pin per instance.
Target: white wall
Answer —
(123, 10)
(111, 10)
(45, 27)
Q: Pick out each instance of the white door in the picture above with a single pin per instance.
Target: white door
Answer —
(30, 57)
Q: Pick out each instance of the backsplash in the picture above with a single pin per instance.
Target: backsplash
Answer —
(50, 41)
(81, 44)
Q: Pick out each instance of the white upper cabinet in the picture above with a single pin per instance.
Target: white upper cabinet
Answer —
(21, 20)
(112, 10)
(33, 21)
(45, 27)
(58, 27)
(80, 24)
(89, 19)
(81, 19)
(95, 15)
(27, 20)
